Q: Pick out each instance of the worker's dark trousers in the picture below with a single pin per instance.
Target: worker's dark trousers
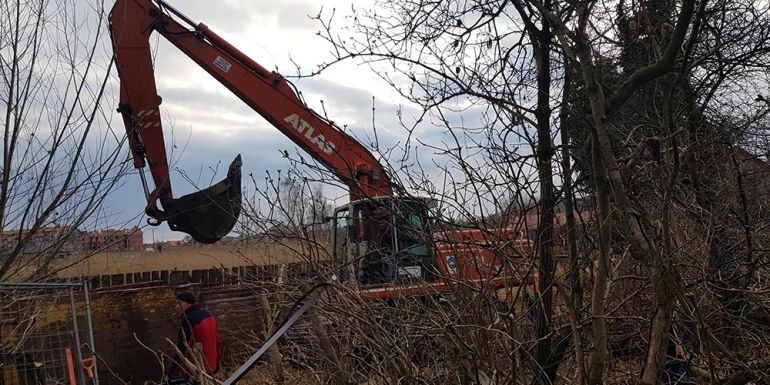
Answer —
(182, 381)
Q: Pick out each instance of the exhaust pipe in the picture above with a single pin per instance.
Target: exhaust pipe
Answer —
(209, 214)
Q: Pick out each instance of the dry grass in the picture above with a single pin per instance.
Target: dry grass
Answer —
(183, 258)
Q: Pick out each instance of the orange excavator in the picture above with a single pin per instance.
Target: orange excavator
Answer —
(383, 241)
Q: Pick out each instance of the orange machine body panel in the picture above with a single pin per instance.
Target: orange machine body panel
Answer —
(472, 259)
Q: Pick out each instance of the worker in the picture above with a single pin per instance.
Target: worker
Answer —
(197, 325)
(682, 339)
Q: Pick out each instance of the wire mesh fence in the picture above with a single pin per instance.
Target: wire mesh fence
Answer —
(45, 334)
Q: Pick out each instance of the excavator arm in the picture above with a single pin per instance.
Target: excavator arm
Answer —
(267, 92)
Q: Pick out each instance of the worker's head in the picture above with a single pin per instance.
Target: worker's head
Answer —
(186, 299)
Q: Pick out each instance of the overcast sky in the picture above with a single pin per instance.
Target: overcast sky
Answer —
(207, 125)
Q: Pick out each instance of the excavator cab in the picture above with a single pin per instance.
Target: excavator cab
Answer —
(383, 241)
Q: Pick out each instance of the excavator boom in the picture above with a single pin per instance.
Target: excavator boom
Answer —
(210, 214)
(383, 240)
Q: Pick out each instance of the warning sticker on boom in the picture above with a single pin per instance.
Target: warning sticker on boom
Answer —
(222, 64)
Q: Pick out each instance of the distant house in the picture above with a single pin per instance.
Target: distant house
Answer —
(752, 162)
(754, 169)
(180, 243)
(114, 240)
(283, 231)
(64, 240)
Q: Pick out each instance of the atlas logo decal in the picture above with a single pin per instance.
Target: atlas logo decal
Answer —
(304, 127)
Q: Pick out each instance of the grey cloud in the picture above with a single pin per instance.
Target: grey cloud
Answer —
(295, 14)
(236, 16)
(219, 15)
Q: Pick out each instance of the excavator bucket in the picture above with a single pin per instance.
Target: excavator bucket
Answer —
(210, 214)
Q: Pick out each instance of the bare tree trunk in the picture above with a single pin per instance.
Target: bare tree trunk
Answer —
(644, 248)
(601, 269)
(545, 154)
(575, 298)
(271, 313)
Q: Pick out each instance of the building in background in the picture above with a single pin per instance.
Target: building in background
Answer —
(66, 240)
(60, 241)
(114, 240)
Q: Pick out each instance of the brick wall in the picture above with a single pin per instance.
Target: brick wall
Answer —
(130, 325)
(207, 277)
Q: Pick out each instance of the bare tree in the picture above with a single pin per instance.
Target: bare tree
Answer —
(647, 83)
(646, 121)
(651, 104)
(60, 159)
(483, 76)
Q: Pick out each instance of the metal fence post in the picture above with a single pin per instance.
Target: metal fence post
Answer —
(77, 336)
(90, 332)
